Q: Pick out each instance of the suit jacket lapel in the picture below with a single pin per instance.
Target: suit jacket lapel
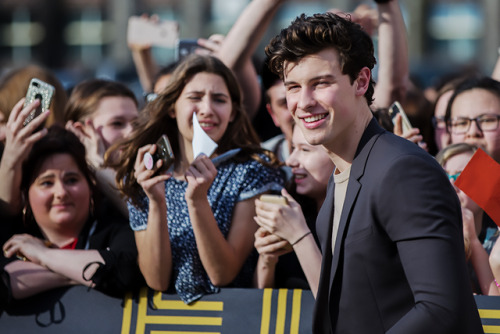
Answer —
(369, 137)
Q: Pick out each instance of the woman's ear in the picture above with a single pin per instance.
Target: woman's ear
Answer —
(171, 112)
(79, 125)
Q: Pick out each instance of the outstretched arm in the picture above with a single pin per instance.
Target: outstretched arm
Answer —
(393, 72)
(19, 140)
(153, 243)
(240, 44)
(221, 257)
(144, 62)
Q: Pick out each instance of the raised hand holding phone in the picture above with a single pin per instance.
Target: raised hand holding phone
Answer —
(281, 215)
(38, 90)
(19, 140)
(152, 32)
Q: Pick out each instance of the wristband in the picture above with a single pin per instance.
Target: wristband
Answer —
(302, 237)
(496, 283)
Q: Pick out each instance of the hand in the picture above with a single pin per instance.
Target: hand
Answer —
(153, 186)
(285, 221)
(19, 139)
(271, 245)
(200, 175)
(25, 247)
(90, 138)
(469, 225)
(367, 17)
(210, 46)
(412, 135)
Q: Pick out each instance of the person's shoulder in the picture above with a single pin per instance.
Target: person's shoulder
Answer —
(278, 145)
(273, 142)
(396, 146)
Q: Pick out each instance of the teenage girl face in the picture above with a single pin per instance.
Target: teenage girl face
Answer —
(207, 95)
(472, 104)
(114, 118)
(311, 166)
(456, 165)
(60, 195)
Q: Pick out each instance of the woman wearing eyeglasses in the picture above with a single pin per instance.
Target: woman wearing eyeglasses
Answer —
(454, 158)
(473, 114)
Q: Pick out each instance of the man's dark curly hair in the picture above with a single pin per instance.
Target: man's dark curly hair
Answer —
(308, 35)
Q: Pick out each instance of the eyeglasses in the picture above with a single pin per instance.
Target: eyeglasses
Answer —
(461, 125)
(438, 122)
(453, 177)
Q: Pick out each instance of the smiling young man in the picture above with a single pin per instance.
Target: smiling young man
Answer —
(390, 227)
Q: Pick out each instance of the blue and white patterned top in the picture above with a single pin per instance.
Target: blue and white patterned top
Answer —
(234, 182)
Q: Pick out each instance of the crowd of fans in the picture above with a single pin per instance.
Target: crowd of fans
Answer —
(78, 204)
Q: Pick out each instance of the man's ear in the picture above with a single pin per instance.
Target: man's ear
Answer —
(362, 81)
(273, 116)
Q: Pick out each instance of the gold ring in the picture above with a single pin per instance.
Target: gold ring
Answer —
(21, 257)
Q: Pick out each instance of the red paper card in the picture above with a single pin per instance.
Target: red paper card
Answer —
(480, 180)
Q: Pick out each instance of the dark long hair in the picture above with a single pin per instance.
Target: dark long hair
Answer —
(155, 120)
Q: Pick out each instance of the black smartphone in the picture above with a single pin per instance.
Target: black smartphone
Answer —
(163, 152)
(185, 47)
(395, 109)
(38, 90)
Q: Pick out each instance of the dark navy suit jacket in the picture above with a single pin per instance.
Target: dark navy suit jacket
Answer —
(399, 263)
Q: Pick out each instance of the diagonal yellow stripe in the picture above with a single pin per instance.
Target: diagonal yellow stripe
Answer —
(296, 304)
(266, 311)
(127, 314)
(489, 314)
(491, 329)
(180, 305)
(281, 313)
(142, 310)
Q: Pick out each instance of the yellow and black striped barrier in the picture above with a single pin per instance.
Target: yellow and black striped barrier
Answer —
(270, 311)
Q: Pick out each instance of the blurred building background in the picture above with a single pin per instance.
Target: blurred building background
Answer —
(87, 38)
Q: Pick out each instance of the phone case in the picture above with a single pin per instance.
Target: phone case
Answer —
(164, 152)
(142, 31)
(395, 109)
(185, 47)
(43, 91)
(275, 199)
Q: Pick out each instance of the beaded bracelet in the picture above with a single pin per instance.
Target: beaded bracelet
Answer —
(302, 237)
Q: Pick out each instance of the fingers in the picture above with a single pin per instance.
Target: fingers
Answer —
(398, 125)
(272, 248)
(15, 111)
(139, 165)
(202, 169)
(289, 197)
